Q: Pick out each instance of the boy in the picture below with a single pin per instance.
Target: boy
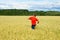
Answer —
(34, 21)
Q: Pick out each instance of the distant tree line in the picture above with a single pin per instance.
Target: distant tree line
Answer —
(26, 12)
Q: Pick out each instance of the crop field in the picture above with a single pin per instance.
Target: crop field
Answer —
(19, 28)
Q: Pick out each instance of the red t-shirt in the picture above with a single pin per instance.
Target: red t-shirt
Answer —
(33, 20)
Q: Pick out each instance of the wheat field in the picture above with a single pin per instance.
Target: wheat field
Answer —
(19, 28)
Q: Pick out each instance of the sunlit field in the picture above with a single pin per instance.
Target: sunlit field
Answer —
(19, 28)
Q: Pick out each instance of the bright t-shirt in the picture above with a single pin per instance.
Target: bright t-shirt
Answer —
(33, 20)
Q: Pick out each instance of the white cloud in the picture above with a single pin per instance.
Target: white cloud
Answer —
(13, 5)
(20, 6)
(4, 7)
(29, 4)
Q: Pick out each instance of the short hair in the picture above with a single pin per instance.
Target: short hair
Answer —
(34, 14)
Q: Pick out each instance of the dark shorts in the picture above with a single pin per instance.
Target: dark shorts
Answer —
(33, 26)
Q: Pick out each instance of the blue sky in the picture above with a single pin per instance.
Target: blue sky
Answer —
(31, 4)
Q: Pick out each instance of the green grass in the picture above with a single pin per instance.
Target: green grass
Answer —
(19, 28)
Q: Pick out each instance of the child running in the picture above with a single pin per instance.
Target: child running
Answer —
(34, 21)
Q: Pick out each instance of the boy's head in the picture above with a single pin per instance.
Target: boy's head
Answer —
(34, 15)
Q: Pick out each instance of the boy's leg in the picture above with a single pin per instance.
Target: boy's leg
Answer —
(33, 26)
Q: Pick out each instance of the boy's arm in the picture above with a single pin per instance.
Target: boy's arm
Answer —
(29, 18)
(37, 21)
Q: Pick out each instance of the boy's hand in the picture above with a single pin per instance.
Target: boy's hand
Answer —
(38, 22)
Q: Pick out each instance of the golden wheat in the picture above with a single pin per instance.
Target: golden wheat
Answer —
(19, 28)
